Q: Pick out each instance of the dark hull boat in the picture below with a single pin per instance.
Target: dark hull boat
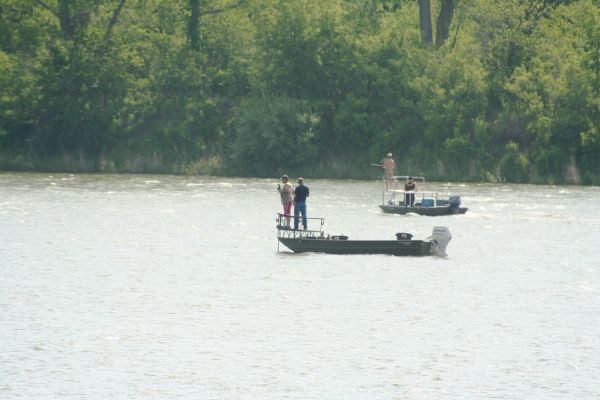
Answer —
(315, 241)
(427, 211)
(398, 201)
(392, 247)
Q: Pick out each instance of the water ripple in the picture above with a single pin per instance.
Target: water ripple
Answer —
(126, 286)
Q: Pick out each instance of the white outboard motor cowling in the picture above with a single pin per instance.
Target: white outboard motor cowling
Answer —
(440, 238)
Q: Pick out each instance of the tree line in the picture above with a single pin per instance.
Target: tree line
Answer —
(471, 90)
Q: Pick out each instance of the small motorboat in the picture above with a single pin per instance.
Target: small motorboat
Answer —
(315, 241)
(400, 201)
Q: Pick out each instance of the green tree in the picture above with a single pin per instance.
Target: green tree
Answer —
(514, 166)
(197, 11)
(273, 134)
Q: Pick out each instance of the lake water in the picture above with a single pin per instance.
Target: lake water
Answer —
(146, 286)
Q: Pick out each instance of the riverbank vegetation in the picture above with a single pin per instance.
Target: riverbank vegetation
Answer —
(457, 90)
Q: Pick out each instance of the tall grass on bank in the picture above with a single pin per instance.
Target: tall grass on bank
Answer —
(340, 168)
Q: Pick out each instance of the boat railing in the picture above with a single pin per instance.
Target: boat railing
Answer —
(405, 178)
(391, 193)
(402, 179)
(286, 232)
(420, 194)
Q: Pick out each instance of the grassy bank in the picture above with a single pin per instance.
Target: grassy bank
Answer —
(329, 169)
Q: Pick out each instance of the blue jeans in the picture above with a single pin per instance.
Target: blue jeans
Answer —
(300, 207)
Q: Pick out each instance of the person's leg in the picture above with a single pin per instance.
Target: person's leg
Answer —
(302, 210)
(304, 216)
(296, 213)
(287, 211)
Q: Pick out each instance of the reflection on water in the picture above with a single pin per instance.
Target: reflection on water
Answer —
(137, 286)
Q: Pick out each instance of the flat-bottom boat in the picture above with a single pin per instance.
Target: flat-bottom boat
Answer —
(398, 201)
(315, 241)
(441, 207)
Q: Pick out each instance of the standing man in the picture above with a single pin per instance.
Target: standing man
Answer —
(409, 187)
(300, 195)
(286, 192)
(388, 166)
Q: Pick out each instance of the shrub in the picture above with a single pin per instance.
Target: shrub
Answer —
(273, 134)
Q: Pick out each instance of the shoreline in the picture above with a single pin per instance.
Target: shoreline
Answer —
(214, 166)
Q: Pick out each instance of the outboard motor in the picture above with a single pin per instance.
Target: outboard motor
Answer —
(440, 238)
(454, 202)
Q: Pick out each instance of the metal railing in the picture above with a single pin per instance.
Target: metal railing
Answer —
(287, 232)
(391, 200)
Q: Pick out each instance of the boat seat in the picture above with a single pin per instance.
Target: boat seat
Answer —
(339, 237)
(404, 236)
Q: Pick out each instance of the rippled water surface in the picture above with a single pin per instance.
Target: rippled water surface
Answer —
(137, 286)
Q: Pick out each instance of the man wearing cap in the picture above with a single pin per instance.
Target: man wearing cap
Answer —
(300, 194)
(388, 166)
(409, 197)
(286, 192)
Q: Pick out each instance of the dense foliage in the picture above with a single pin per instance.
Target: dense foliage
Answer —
(495, 91)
